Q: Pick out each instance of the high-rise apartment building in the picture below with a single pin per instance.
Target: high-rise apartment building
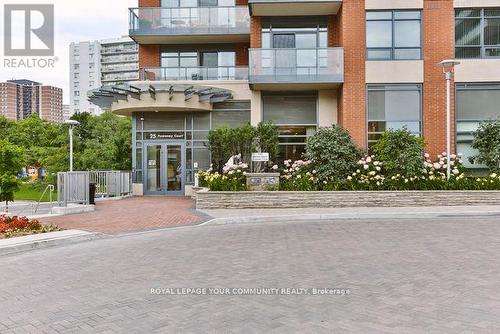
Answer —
(119, 61)
(100, 63)
(367, 65)
(85, 75)
(22, 98)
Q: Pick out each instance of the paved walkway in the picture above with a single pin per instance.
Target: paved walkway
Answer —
(434, 276)
(132, 214)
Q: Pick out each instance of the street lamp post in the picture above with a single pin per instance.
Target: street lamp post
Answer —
(448, 70)
(72, 124)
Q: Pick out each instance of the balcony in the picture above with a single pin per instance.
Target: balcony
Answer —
(153, 25)
(275, 69)
(294, 7)
(194, 73)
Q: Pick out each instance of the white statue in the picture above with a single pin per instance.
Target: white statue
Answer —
(233, 161)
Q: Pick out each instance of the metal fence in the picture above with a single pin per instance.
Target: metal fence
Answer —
(74, 187)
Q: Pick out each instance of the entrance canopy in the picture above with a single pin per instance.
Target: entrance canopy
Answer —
(125, 99)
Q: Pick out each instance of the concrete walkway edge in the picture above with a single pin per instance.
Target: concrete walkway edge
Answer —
(44, 240)
(277, 217)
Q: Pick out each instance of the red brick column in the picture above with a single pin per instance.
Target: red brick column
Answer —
(149, 56)
(255, 32)
(242, 55)
(333, 31)
(438, 44)
(352, 95)
(149, 3)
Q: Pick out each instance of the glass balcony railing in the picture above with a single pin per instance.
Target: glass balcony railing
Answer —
(296, 65)
(187, 21)
(194, 73)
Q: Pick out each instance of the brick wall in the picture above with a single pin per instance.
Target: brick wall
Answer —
(255, 32)
(333, 31)
(242, 55)
(438, 44)
(352, 97)
(149, 3)
(149, 56)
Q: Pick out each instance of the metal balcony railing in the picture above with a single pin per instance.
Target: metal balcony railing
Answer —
(194, 73)
(187, 21)
(296, 65)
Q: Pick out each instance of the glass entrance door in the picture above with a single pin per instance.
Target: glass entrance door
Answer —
(164, 166)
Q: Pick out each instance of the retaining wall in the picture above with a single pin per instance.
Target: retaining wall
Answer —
(325, 199)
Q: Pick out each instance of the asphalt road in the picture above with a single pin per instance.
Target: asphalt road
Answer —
(390, 276)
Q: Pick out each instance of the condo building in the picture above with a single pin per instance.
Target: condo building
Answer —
(22, 98)
(366, 65)
(107, 62)
(84, 75)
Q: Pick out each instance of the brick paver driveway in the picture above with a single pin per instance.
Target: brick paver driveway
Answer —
(133, 214)
(404, 276)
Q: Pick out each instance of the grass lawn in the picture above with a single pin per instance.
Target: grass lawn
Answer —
(32, 192)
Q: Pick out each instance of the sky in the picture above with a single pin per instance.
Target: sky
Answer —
(75, 21)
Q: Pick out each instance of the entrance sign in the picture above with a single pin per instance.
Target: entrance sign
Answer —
(163, 135)
(260, 157)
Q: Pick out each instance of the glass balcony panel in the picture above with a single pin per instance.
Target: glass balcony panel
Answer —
(297, 65)
(195, 73)
(186, 21)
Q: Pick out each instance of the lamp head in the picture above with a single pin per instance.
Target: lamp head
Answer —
(448, 65)
(71, 122)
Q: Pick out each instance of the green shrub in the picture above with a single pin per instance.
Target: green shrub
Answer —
(333, 153)
(225, 142)
(12, 160)
(487, 142)
(401, 152)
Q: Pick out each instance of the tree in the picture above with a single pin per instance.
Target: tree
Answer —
(400, 152)
(334, 153)
(12, 161)
(487, 142)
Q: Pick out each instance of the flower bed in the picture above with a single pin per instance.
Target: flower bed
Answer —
(369, 175)
(19, 226)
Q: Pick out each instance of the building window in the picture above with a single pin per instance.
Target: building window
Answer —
(477, 33)
(77, 93)
(393, 35)
(475, 103)
(393, 107)
(202, 65)
(296, 118)
(297, 33)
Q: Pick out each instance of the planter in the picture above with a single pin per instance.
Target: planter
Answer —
(337, 199)
(263, 181)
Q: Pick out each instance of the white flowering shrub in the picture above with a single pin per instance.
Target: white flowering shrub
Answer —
(298, 175)
(368, 176)
(233, 178)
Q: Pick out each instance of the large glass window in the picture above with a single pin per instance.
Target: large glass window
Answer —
(296, 117)
(393, 107)
(477, 33)
(474, 103)
(393, 35)
(198, 65)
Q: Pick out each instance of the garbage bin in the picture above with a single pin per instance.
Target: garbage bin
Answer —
(92, 193)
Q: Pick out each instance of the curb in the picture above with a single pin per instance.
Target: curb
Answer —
(343, 216)
(45, 240)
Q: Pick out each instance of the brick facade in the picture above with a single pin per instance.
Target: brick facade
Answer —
(255, 32)
(242, 55)
(438, 44)
(149, 3)
(352, 95)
